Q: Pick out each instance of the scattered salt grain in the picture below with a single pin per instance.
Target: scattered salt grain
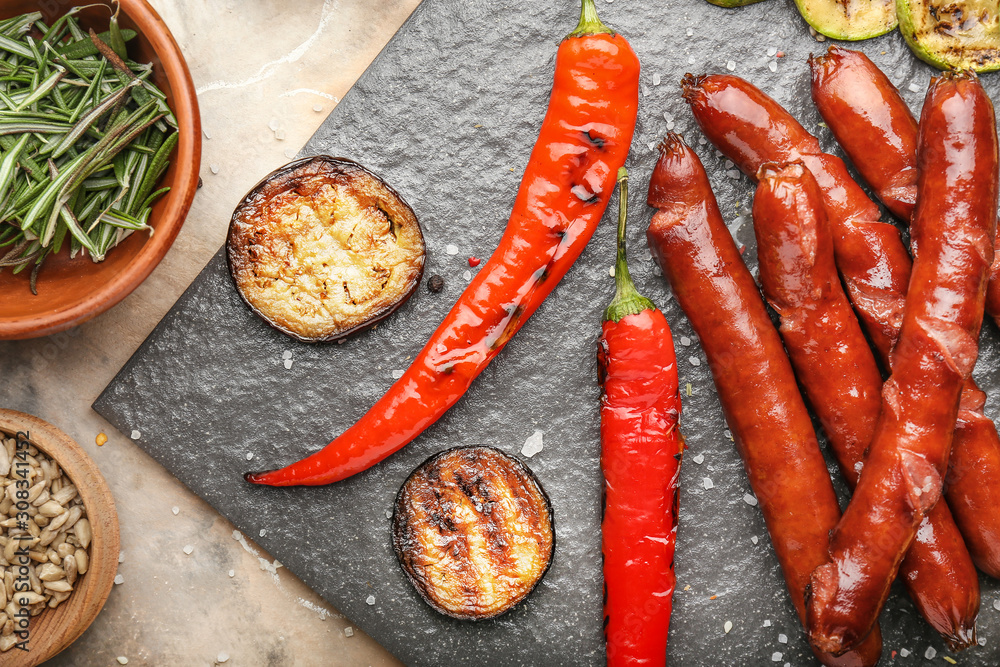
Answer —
(348, 631)
(121, 557)
(727, 626)
(317, 108)
(222, 657)
(651, 145)
(982, 641)
(996, 604)
(930, 653)
(249, 456)
(776, 656)
(699, 458)
(175, 510)
(749, 499)
(728, 434)
(685, 341)
(773, 65)
(279, 135)
(690, 60)
(733, 174)
(532, 445)
(782, 639)
(189, 550)
(914, 88)
(119, 579)
(767, 624)
(656, 78)
(645, 91)
(207, 133)
(214, 168)
(690, 32)
(695, 361)
(135, 435)
(771, 51)
(388, 514)
(728, 164)
(370, 600)
(397, 373)
(273, 124)
(667, 117)
(451, 249)
(670, 125)
(122, 660)
(753, 538)
(731, 65)
(287, 354)
(467, 275)
(905, 653)
(708, 483)
(290, 153)
(232, 573)
(288, 363)
(262, 532)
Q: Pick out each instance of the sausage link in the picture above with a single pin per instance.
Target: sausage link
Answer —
(751, 128)
(841, 378)
(879, 134)
(756, 386)
(952, 237)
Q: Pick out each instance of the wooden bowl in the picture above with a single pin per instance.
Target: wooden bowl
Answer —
(55, 629)
(73, 291)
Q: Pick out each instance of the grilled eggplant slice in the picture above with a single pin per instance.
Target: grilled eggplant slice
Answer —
(849, 19)
(322, 248)
(473, 531)
(952, 34)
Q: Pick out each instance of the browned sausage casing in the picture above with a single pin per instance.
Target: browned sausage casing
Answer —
(952, 236)
(835, 366)
(877, 131)
(756, 386)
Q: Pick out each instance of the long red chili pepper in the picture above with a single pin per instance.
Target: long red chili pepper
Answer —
(835, 366)
(641, 451)
(953, 231)
(877, 131)
(760, 399)
(569, 179)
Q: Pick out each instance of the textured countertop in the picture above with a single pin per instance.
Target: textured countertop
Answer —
(267, 74)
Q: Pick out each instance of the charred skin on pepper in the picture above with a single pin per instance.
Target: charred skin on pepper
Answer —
(596, 87)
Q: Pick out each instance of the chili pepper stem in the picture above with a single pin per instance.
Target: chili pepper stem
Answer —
(590, 23)
(627, 299)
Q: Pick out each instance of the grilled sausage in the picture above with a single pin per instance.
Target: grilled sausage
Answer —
(841, 378)
(953, 231)
(756, 386)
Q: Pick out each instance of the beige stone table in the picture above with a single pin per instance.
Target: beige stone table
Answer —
(267, 72)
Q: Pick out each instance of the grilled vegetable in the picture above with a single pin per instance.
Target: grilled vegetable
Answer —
(952, 34)
(322, 248)
(473, 531)
(849, 19)
(732, 3)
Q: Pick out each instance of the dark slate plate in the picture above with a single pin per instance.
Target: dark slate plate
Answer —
(447, 114)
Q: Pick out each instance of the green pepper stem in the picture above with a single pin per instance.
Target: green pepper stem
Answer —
(590, 23)
(627, 299)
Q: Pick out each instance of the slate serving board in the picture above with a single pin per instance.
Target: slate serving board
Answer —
(448, 113)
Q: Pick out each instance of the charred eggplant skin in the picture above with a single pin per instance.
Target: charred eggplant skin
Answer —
(317, 258)
(474, 531)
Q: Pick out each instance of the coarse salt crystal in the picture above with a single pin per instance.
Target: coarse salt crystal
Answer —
(905, 653)
(996, 604)
(121, 557)
(930, 653)
(533, 444)
(232, 573)
(176, 510)
(914, 87)
(767, 624)
(708, 483)
(370, 600)
(782, 639)
(214, 168)
(776, 656)
(690, 60)
(262, 532)
(451, 249)
(982, 641)
(122, 660)
(645, 91)
(773, 66)
(727, 626)
(651, 145)
(728, 164)
(207, 133)
(690, 32)
(685, 341)
(749, 499)
(467, 275)
(656, 78)
(753, 538)
(119, 579)
(670, 124)
(733, 174)
(667, 117)
(249, 456)
(287, 354)
(188, 549)
(771, 51)
(288, 363)
(348, 631)
(699, 458)
(135, 435)
(317, 107)
(695, 361)
(222, 657)
(731, 65)
(728, 434)
(397, 373)
(388, 514)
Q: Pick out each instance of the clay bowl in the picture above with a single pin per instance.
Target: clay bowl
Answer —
(55, 629)
(73, 291)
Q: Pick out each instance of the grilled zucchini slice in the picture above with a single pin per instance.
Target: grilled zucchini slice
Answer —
(322, 248)
(473, 531)
(956, 34)
(850, 20)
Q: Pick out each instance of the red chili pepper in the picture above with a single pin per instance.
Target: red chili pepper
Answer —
(474, 261)
(569, 179)
(641, 452)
